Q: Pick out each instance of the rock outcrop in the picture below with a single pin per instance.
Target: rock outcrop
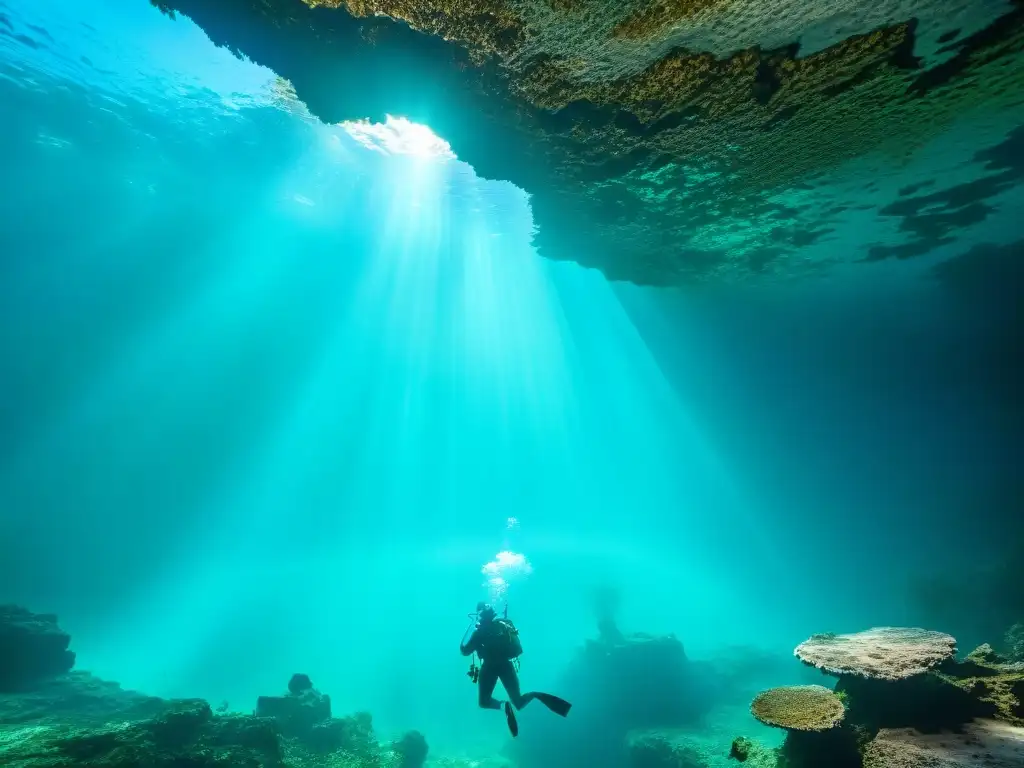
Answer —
(299, 711)
(983, 744)
(304, 715)
(631, 683)
(32, 648)
(57, 720)
(411, 750)
(664, 142)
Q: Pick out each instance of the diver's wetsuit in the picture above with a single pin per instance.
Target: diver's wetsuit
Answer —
(487, 642)
(494, 668)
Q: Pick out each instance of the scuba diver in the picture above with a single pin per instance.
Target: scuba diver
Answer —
(496, 642)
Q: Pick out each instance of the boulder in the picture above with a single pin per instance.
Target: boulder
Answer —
(753, 753)
(304, 716)
(625, 683)
(411, 750)
(298, 711)
(648, 679)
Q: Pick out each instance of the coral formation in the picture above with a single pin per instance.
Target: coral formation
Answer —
(812, 715)
(661, 141)
(799, 708)
(899, 685)
(882, 653)
(32, 648)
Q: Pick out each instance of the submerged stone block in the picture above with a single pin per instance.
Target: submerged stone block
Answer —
(32, 648)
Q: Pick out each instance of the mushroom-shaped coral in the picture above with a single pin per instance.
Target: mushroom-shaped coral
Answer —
(799, 708)
(882, 653)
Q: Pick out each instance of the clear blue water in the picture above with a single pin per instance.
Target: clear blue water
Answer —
(276, 396)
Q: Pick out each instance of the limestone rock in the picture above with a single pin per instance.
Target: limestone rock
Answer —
(78, 698)
(186, 734)
(665, 142)
(32, 648)
(411, 750)
(299, 711)
(982, 744)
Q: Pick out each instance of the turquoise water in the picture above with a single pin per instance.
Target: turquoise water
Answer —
(281, 396)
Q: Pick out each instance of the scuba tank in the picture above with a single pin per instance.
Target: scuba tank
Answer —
(501, 641)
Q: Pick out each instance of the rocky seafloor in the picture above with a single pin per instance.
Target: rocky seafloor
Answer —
(899, 697)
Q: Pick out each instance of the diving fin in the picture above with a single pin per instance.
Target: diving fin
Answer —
(555, 704)
(510, 718)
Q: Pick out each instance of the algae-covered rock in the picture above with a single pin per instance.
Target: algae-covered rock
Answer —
(993, 687)
(79, 698)
(298, 711)
(186, 734)
(411, 750)
(304, 715)
(32, 648)
(981, 744)
(651, 749)
(753, 753)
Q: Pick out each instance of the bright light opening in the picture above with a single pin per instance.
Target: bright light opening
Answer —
(399, 136)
